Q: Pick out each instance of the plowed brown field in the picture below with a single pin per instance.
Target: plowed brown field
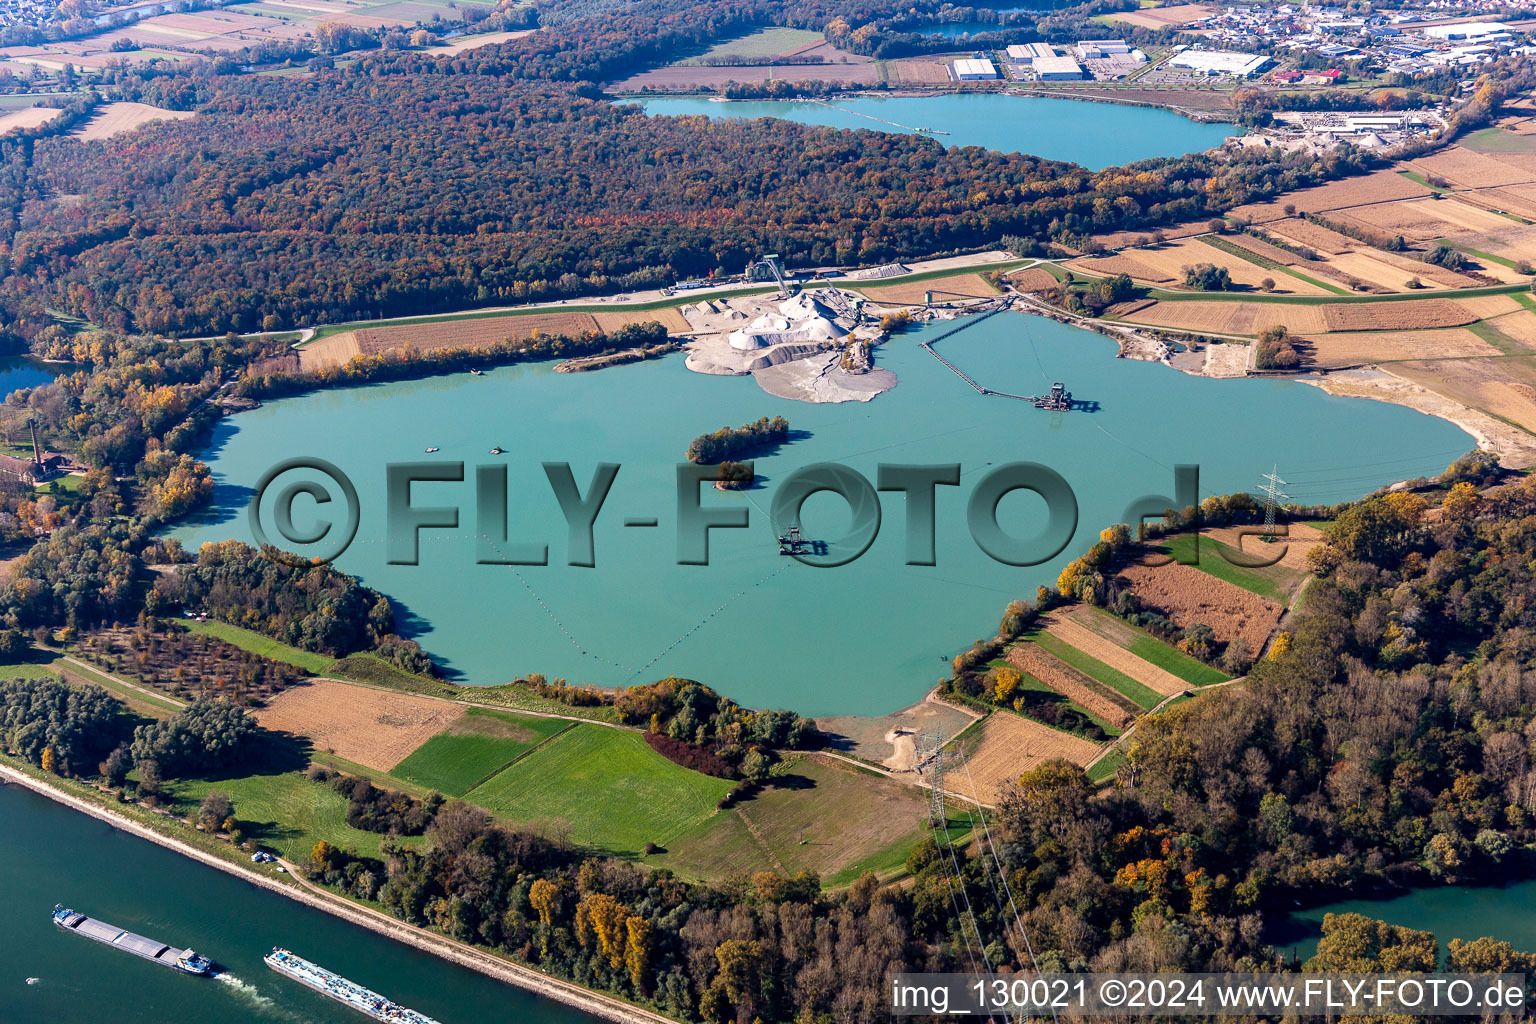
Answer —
(1072, 684)
(375, 728)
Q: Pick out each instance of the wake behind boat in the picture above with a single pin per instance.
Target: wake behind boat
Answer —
(328, 983)
(184, 960)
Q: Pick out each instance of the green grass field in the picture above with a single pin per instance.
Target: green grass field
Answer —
(285, 812)
(1175, 661)
(819, 816)
(1273, 582)
(613, 791)
(265, 646)
(1150, 649)
(1143, 695)
(1104, 770)
(474, 748)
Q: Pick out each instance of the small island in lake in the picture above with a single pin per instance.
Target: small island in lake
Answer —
(719, 445)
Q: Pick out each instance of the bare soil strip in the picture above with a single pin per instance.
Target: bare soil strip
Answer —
(1115, 656)
(1115, 708)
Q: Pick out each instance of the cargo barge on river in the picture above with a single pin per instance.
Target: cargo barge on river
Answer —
(184, 960)
(329, 983)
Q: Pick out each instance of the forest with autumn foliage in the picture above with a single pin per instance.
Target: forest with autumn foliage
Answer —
(409, 183)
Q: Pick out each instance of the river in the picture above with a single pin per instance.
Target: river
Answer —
(1095, 135)
(864, 638)
(50, 854)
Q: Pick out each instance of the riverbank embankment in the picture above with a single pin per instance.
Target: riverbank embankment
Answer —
(302, 891)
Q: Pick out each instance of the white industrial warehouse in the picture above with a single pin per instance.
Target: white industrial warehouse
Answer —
(974, 70)
(1219, 62)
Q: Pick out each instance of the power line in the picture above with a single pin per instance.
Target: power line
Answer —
(1272, 495)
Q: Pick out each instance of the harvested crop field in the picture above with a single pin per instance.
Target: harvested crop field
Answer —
(914, 71)
(1004, 748)
(1314, 236)
(1259, 247)
(1520, 327)
(1301, 539)
(1376, 273)
(113, 118)
(1127, 239)
(1075, 686)
(1163, 17)
(375, 728)
(28, 117)
(944, 289)
(1418, 314)
(1503, 387)
(1410, 218)
(475, 42)
(1425, 272)
(1170, 260)
(1484, 306)
(336, 350)
(1035, 279)
(1381, 186)
(1456, 214)
(1121, 263)
(1188, 596)
(1116, 657)
(1216, 317)
(1463, 167)
(1517, 199)
(685, 79)
(1354, 348)
(670, 318)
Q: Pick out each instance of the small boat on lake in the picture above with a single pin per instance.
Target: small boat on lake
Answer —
(431, 450)
(475, 373)
(498, 450)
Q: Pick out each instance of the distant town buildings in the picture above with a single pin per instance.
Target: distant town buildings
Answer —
(1483, 31)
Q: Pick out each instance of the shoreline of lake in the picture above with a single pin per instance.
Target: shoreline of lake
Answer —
(1196, 114)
